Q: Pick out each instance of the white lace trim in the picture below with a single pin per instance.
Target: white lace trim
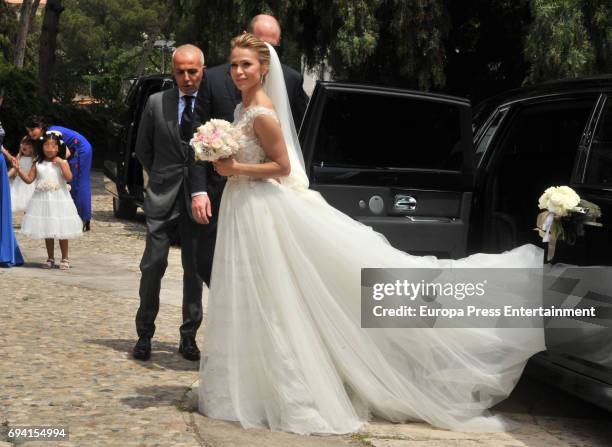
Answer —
(251, 151)
(48, 185)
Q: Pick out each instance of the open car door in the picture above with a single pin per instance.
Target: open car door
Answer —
(399, 161)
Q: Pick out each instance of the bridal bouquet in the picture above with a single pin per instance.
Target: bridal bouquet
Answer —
(565, 216)
(214, 140)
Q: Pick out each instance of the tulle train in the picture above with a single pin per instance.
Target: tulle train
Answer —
(284, 347)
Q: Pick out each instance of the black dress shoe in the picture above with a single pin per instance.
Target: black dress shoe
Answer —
(188, 349)
(142, 349)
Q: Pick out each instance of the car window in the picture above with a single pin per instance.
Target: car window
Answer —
(383, 131)
(599, 167)
(538, 151)
(488, 134)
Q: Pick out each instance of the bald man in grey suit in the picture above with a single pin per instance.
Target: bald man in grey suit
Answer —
(182, 194)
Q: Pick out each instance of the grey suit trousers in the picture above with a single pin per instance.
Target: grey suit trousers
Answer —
(197, 243)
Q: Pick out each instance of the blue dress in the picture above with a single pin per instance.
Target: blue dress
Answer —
(80, 165)
(10, 255)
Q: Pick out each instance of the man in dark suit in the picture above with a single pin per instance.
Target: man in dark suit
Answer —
(220, 95)
(182, 194)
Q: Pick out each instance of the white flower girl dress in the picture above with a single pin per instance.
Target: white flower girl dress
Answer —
(51, 213)
(21, 192)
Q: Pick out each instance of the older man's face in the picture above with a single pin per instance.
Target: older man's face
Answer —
(268, 31)
(188, 71)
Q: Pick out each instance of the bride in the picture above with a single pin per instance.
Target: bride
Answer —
(283, 346)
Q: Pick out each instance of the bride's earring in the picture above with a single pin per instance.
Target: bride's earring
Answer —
(262, 78)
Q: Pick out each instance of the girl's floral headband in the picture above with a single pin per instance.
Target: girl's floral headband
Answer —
(57, 133)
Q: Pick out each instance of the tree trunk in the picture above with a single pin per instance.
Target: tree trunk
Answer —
(146, 52)
(48, 42)
(35, 4)
(22, 33)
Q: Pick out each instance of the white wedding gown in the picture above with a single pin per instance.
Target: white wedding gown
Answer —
(283, 343)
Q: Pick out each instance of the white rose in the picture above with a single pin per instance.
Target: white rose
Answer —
(570, 194)
(544, 198)
(560, 203)
(559, 200)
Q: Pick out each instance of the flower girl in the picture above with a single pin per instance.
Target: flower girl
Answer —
(21, 192)
(51, 213)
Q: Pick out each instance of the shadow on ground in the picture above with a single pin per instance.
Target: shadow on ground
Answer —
(157, 396)
(107, 216)
(557, 413)
(539, 398)
(163, 355)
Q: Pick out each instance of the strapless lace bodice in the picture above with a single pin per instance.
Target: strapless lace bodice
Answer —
(49, 177)
(251, 151)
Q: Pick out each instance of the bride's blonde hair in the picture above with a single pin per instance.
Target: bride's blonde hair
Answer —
(252, 42)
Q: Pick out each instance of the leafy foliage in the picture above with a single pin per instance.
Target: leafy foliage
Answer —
(558, 45)
(598, 19)
(8, 31)
(472, 48)
(399, 42)
(101, 43)
(21, 100)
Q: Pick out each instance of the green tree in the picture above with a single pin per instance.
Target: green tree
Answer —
(21, 101)
(27, 13)
(48, 44)
(421, 28)
(102, 41)
(212, 32)
(398, 42)
(8, 30)
(598, 18)
(558, 44)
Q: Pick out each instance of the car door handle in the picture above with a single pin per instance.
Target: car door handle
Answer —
(402, 202)
(429, 219)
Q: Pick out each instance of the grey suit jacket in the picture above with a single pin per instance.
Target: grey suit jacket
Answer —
(168, 160)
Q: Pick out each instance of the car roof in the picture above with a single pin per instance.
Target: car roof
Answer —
(372, 88)
(577, 85)
(138, 81)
